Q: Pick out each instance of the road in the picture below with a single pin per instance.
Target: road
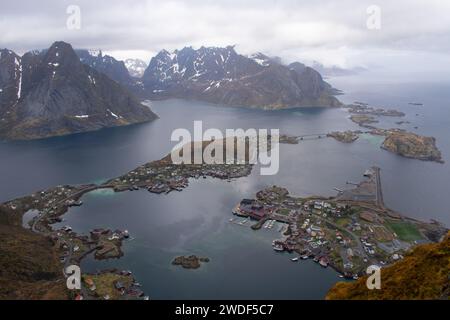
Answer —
(379, 193)
(68, 259)
(354, 236)
(63, 201)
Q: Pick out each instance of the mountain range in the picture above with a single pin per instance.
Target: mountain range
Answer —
(222, 76)
(60, 90)
(52, 92)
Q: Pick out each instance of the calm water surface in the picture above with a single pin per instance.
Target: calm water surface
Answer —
(196, 221)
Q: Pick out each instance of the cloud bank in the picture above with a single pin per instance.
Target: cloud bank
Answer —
(332, 32)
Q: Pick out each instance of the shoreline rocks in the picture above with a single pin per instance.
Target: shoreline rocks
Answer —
(189, 262)
(345, 136)
(411, 145)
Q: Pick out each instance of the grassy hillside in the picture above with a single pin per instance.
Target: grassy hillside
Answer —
(29, 267)
(422, 274)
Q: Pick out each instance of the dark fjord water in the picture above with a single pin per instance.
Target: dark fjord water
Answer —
(196, 221)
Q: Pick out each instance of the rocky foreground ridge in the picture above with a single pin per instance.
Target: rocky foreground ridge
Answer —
(422, 274)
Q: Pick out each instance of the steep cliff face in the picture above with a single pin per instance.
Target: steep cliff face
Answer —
(422, 274)
(10, 79)
(222, 76)
(114, 69)
(61, 95)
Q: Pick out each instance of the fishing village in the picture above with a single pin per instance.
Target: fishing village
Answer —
(42, 213)
(348, 232)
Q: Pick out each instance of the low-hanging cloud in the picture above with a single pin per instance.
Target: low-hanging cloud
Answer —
(333, 32)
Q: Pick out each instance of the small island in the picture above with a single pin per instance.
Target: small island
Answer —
(189, 262)
(398, 141)
(363, 108)
(411, 145)
(345, 136)
(363, 120)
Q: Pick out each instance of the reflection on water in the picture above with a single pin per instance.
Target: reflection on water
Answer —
(196, 220)
(27, 217)
(242, 261)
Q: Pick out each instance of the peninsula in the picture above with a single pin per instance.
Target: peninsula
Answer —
(29, 225)
(348, 232)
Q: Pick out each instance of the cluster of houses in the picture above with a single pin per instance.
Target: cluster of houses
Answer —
(121, 285)
(99, 233)
(165, 178)
(272, 195)
(252, 208)
(323, 207)
(368, 247)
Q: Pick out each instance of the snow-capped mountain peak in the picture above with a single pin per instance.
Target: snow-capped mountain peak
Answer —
(136, 67)
(260, 59)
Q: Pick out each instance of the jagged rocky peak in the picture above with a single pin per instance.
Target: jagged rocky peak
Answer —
(114, 69)
(205, 63)
(10, 79)
(223, 76)
(261, 59)
(61, 54)
(136, 67)
(62, 95)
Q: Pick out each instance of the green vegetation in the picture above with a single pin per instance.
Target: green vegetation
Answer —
(422, 274)
(30, 268)
(105, 284)
(342, 222)
(283, 211)
(405, 231)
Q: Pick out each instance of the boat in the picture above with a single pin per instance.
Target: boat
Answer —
(323, 262)
(305, 257)
(278, 247)
(355, 277)
(295, 259)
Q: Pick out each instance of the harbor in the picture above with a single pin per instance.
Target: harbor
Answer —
(348, 232)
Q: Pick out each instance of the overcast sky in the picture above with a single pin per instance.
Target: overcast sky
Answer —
(413, 33)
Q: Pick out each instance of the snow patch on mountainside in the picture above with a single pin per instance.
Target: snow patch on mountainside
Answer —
(19, 70)
(136, 67)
